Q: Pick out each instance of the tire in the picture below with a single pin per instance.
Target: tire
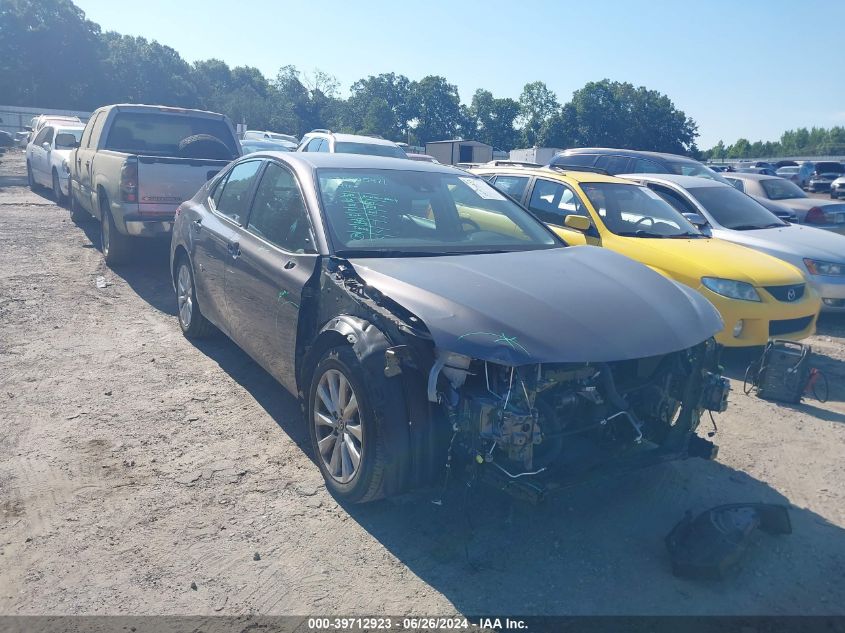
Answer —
(57, 190)
(30, 179)
(191, 319)
(347, 481)
(114, 245)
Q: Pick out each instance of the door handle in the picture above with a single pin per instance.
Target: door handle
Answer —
(197, 224)
(234, 250)
(289, 264)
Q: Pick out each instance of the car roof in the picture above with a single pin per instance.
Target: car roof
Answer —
(686, 182)
(624, 152)
(743, 175)
(571, 175)
(317, 160)
(360, 138)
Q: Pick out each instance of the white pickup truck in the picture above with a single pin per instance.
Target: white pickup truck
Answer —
(135, 164)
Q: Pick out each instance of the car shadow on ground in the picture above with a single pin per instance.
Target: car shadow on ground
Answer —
(148, 269)
(599, 548)
(279, 404)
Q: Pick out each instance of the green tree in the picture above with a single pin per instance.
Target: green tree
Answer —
(740, 149)
(365, 109)
(537, 105)
(435, 106)
(49, 55)
(491, 120)
(614, 114)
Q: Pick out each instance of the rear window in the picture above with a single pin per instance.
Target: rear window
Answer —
(370, 149)
(829, 168)
(164, 134)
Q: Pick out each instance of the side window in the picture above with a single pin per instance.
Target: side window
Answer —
(614, 164)
(514, 186)
(278, 213)
(324, 145)
(86, 135)
(736, 182)
(552, 202)
(232, 199)
(645, 166)
(674, 198)
(97, 130)
(313, 145)
(41, 136)
(48, 138)
(576, 159)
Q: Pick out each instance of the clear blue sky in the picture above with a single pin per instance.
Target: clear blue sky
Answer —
(740, 68)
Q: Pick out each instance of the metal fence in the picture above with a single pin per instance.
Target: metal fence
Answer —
(15, 118)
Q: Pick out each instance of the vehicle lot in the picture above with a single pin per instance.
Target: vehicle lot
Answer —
(135, 463)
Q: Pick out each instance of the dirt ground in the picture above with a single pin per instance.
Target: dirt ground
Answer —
(141, 473)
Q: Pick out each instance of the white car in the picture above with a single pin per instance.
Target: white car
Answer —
(737, 217)
(47, 157)
(837, 188)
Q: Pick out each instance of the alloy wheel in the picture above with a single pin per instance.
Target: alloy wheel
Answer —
(337, 423)
(185, 295)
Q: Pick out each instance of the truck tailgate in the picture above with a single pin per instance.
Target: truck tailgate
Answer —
(164, 183)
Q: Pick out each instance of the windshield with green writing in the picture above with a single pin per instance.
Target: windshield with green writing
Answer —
(373, 213)
(635, 211)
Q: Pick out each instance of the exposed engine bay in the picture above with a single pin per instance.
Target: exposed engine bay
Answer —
(522, 420)
(526, 424)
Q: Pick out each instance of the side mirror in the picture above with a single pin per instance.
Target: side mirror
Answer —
(696, 219)
(28, 128)
(577, 222)
(46, 146)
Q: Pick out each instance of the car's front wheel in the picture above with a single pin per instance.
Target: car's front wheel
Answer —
(345, 433)
(191, 319)
(30, 179)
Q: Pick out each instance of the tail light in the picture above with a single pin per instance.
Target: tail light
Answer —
(129, 180)
(815, 216)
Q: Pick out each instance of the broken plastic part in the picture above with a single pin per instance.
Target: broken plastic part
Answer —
(709, 545)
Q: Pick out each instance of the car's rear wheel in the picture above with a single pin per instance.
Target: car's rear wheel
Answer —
(115, 245)
(191, 319)
(345, 434)
(57, 189)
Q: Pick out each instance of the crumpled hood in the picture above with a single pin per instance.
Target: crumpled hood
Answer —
(794, 240)
(558, 305)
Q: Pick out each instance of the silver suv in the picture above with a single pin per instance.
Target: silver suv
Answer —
(328, 141)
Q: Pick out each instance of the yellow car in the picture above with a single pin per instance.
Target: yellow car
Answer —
(758, 296)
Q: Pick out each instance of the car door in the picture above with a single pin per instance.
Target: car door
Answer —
(40, 157)
(264, 284)
(551, 202)
(84, 154)
(214, 236)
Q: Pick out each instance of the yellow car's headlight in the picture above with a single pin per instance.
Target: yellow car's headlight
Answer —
(731, 288)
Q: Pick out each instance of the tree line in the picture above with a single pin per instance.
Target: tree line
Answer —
(816, 141)
(52, 56)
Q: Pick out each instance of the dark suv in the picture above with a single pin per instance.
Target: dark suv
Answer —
(629, 161)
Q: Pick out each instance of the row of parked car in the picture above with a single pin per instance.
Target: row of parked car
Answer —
(537, 324)
(815, 177)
